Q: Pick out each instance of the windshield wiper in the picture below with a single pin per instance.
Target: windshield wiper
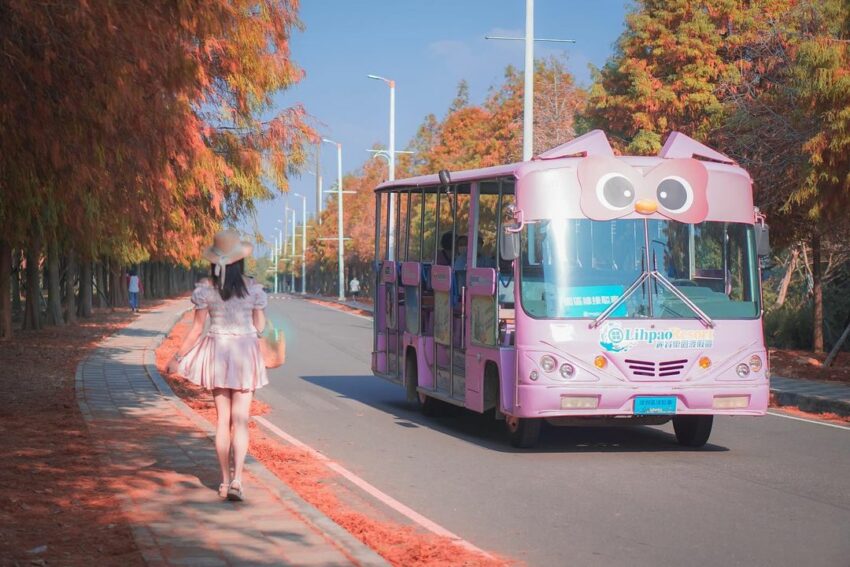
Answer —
(622, 299)
(701, 315)
(645, 275)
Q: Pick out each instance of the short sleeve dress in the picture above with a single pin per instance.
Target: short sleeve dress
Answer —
(228, 356)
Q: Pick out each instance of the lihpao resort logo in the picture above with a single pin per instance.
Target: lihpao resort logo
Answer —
(613, 337)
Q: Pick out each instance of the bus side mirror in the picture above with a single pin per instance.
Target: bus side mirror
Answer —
(762, 239)
(509, 245)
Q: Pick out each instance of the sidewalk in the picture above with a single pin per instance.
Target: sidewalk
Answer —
(809, 395)
(164, 469)
(812, 395)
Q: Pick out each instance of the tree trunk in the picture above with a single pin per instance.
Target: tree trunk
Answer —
(85, 309)
(100, 279)
(5, 290)
(817, 297)
(116, 284)
(54, 293)
(32, 305)
(70, 288)
(837, 347)
(786, 280)
(16, 283)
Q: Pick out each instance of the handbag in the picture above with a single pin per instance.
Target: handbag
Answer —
(273, 347)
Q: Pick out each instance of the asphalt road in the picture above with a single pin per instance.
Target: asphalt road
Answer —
(765, 491)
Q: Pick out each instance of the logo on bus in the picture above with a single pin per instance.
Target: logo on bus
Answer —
(613, 337)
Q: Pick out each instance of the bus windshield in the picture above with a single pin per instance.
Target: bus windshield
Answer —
(576, 268)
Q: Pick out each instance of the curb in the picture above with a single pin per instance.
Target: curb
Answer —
(360, 307)
(811, 403)
(352, 546)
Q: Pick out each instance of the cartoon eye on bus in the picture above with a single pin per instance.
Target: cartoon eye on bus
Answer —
(578, 287)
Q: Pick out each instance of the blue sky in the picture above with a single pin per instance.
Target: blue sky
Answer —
(427, 47)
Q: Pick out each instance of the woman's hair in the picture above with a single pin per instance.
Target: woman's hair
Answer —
(234, 285)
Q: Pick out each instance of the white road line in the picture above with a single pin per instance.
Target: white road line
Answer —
(429, 525)
(835, 425)
(339, 310)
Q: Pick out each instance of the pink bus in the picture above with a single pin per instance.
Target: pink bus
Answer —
(577, 288)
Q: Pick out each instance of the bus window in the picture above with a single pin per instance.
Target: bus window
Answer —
(429, 227)
(414, 252)
(462, 221)
(505, 289)
(401, 226)
(484, 250)
(445, 245)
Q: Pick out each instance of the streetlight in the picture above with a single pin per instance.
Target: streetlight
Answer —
(339, 216)
(391, 153)
(303, 243)
(528, 95)
(277, 240)
(292, 255)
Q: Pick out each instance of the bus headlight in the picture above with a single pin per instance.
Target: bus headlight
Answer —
(533, 376)
(567, 370)
(743, 370)
(548, 363)
(755, 363)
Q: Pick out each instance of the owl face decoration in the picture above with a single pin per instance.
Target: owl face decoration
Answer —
(675, 188)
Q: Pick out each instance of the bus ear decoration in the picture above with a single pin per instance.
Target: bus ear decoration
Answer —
(611, 189)
(679, 145)
(594, 143)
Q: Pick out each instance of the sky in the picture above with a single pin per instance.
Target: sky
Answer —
(427, 47)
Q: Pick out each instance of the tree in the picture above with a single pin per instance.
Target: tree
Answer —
(133, 130)
(665, 73)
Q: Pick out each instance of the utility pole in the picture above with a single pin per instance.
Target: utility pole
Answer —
(340, 240)
(528, 95)
(319, 195)
(303, 243)
(292, 253)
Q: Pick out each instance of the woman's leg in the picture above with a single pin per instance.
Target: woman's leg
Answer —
(239, 415)
(223, 404)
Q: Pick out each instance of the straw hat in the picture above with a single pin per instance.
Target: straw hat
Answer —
(228, 248)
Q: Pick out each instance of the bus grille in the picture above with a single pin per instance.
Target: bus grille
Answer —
(651, 369)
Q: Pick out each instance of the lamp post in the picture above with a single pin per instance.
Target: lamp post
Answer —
(391, 158)
(528, 95)
(292, 256)
(277, 242)
(303, 243)
(341, 259)
(318, 174)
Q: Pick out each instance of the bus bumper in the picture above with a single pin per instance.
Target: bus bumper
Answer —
(715, 399)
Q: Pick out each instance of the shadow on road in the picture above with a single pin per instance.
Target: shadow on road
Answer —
(484, 430)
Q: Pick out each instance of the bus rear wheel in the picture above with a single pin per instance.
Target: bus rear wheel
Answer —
(430, 407)
(692, 430)
(523, 432)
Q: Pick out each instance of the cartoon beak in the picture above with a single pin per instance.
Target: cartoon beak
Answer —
(646, 206)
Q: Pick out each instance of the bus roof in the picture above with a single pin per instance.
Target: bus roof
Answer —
(677, 145)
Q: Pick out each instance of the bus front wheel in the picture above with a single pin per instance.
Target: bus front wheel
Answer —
(523, 432)
(692, 430)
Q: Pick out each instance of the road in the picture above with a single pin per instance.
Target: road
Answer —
(765, 491)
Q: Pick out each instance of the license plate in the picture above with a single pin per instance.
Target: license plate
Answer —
(655, 405)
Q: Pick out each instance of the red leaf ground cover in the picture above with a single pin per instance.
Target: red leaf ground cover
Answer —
(804, 364)
(402, 545)
(52, 475)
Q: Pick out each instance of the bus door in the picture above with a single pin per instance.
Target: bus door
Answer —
(391, 239)
(448, 280)
(490, 286)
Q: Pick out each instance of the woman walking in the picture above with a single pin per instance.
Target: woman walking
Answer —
(227, 360)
